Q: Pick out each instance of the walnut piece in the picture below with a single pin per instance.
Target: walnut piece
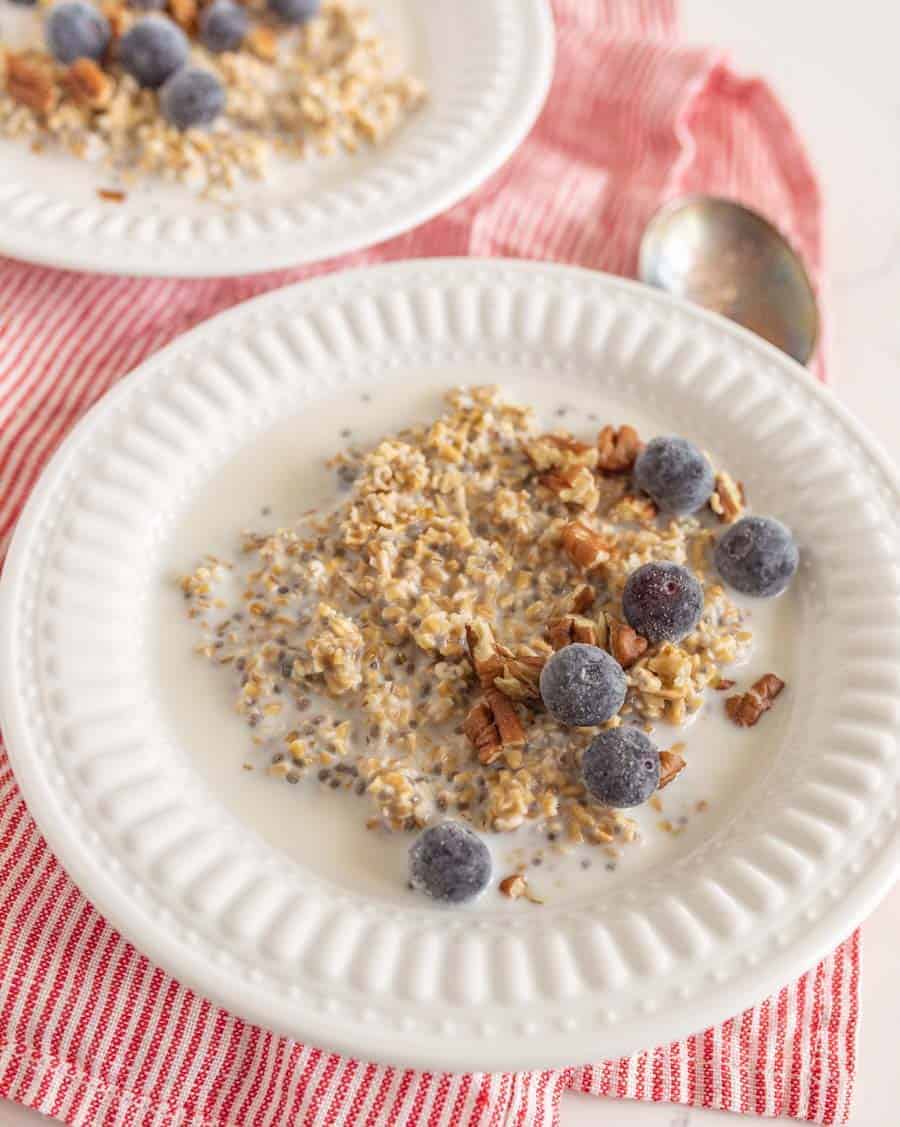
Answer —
(88, 85)
(493, 728)
(29, 82)
(671, 764)
(515, 886)
(584, 546)
(617, 449)
(118, 20)
(625, 644)
(746, 709)
(727, 499)
(571, 628)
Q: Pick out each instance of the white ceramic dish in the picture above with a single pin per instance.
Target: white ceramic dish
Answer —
(488, 65)
(273, 901)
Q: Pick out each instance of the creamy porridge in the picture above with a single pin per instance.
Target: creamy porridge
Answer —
(391, 645)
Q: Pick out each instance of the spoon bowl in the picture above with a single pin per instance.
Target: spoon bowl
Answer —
(725, 257)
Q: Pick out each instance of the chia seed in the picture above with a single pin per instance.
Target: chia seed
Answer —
(324, 775)
(585, 862)
(334, 784)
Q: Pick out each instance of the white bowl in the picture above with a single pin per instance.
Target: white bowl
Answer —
(273, 901)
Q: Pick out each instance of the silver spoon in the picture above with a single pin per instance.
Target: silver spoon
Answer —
(727, 258)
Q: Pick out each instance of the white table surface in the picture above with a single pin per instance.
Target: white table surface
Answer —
(836, 68)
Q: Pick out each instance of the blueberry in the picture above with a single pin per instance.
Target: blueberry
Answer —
(295, 11)
(675, 473)
(757, 556)
(582, 685)
(449, 862)
(148, 5)
(223, 26)
(76, 30)
(152, 49)
(662, 601)
(192, 97)
(25, 3)
(621, 767)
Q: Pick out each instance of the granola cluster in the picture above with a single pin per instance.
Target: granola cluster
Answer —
(328, 85)
(393, 644)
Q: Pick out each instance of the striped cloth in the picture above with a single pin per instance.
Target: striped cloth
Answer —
(90, 1031)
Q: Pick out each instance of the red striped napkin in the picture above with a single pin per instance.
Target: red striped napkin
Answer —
(90, 1031)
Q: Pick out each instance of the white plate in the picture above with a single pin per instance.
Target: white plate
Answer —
(272, 900)
(487, 64)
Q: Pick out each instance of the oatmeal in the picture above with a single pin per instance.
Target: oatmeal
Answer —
(329, 84)
(391, 646)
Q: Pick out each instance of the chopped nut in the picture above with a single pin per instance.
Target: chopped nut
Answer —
(575, 486)
(117, 16)
(572, 628)
(625, 644)
(582, 600)
(484, 652)
(584, 546)
(559, 452)
(263, 42)
(515, 886)
(521, 677)
(723, 684)
(30, 82)
(492, 727)
(671, 764)
(727, 499)
(746, 709)
(87, 84)
(111, 195)
(617, 449)
(184, 13)
(635, 509)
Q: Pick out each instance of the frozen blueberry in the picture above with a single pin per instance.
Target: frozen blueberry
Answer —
(757, 556)
(675, 473)
(662, 601)
(582, 685)
(449, 862)
(152, 49)
(192, 97)
(76, 30)
(621, 767)
(295, 11)
(223, 26)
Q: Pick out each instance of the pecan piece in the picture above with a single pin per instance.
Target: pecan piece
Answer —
(633, 509)
(29, 82)
(575, 485)
(484, 652)
(263, 42)
(625, 644)
(571, 628)
(493, 728)
(727, 499)
(521, 677)
(582, 599)
(516, 886)
(559, 451)
(617, 449)
(184, 13)
(746, 709)
(584, 546)
(671, 764)
(88, 85)
(118, 20)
